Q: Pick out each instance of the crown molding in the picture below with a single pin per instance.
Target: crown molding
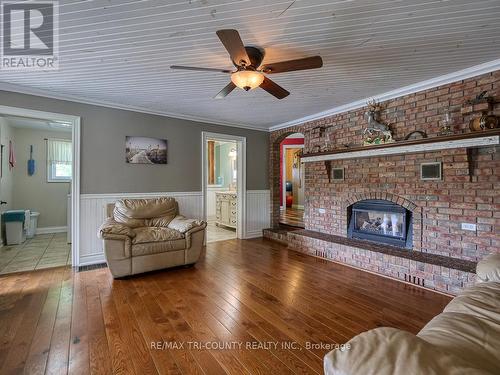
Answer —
(77, 99)
(406, 90)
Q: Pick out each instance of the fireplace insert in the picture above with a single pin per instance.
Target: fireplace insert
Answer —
(381, 221)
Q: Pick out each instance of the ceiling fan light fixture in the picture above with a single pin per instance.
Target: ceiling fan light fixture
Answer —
(247, 79)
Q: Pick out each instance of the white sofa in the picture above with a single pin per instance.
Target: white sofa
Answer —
(463, 339)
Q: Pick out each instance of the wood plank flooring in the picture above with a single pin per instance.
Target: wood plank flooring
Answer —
(292, 216)
(241, 293)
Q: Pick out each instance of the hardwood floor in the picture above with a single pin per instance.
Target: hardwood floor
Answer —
(254, 291)
(292, 216)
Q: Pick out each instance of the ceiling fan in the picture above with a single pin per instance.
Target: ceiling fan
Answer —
(249, 73)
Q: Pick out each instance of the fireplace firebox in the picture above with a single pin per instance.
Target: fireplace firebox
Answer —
(381, 221)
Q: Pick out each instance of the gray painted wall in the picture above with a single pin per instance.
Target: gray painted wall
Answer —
(7, 179)
(103, 167)
(34, 192)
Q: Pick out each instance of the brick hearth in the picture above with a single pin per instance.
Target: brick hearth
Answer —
(468, 192)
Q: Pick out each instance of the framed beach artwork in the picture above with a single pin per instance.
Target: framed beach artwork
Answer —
(144, 150)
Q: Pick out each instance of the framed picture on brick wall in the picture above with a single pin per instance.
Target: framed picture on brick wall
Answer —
(431, 171)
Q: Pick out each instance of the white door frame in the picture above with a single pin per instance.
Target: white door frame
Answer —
(75, 181)
(241, 172)
(283, 174)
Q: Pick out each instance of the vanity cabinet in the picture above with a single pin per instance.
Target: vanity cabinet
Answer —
(226, 209)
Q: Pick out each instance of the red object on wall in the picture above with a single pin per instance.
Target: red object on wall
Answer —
(289, 200)
(286, 141)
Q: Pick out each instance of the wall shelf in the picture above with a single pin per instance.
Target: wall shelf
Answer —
(469, 140)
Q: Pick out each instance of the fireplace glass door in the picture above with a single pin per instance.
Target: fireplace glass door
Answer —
(390, 224)
(381, 221)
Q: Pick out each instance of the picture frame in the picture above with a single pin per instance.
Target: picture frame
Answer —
(145, 150)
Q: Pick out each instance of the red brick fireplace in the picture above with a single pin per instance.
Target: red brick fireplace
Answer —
(467, 192)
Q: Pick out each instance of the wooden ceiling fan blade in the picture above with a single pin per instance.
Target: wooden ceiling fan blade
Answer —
(313, 62)
(180, 67)
(234, 45)
(274, 89)
(225, 91)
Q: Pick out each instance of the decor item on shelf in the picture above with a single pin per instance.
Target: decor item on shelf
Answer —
(445, 128)
(144, 150)
(431, 171)
(481, 98)
(376, 132)
(326, 145)
(463, 140)
(485, 122)
(417, 134)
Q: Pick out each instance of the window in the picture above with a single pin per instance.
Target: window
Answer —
(59, 160)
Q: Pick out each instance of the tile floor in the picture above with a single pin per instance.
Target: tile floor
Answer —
(215, 233)
(41, 251)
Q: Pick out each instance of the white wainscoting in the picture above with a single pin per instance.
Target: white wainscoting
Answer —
(258, 215)
(93, 213)
(211, 201)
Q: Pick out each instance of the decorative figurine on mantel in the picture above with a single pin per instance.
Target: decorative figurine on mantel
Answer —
(376, 133)
(445, 128)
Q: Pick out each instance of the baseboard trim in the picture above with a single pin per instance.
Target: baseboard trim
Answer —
(47, 230)
(87, 260)
(253, 234)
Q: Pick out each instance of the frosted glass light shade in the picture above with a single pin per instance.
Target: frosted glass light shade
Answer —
(247, 79)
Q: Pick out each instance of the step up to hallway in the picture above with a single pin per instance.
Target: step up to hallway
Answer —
(279, 234)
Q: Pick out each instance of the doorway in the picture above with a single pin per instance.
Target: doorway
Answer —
(292, 181)
(39, 189)
(223, 186)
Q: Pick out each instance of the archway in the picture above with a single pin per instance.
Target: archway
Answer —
(287, 179)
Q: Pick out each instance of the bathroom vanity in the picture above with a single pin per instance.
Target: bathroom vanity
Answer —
(226, 209)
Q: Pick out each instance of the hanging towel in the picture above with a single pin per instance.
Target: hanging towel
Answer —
(12, 156)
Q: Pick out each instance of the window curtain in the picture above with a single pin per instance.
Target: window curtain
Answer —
(59, 151)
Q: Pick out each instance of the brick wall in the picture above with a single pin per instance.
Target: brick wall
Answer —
(469, 191)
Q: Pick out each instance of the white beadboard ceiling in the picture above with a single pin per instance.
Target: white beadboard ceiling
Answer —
(118, 52)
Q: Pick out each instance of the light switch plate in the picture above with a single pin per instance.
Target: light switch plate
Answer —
(469, 226)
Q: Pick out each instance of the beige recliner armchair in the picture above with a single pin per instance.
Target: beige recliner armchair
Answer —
(142, 235)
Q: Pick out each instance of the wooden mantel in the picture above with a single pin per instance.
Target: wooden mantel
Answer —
(468, 140)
